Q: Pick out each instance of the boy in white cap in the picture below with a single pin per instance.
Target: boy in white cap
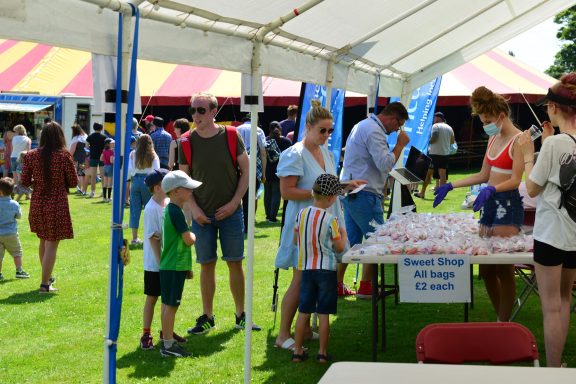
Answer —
(176, 257)
(319, 236)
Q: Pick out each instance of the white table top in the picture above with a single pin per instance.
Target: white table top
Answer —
(494, 258)
(405, 373)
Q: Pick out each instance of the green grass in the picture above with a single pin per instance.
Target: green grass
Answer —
(59, 338)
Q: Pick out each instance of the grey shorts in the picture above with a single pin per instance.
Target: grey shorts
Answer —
(10, 243)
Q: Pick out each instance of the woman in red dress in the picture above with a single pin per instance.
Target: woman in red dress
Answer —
(50, 171)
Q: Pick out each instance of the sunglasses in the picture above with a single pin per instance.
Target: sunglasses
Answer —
(324, 130)
(200, 110)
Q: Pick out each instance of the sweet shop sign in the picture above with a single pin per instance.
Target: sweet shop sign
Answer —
(434, 278)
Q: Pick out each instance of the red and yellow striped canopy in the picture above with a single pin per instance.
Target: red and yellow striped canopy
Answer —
(38, 68)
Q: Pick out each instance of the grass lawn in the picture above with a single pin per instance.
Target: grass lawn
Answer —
(59, 338)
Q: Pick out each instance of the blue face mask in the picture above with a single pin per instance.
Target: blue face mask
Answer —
(491, 129)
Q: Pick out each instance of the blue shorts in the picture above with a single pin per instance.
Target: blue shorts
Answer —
(503, 208)
(318, 292)
(359, 210)
(231, 234)
(108, 170)
(15, 166)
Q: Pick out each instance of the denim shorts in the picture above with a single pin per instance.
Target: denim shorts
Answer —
(503, 208)
(231, 234)
(318, 292)
(108, 170)
(15, 166)
(359, 210)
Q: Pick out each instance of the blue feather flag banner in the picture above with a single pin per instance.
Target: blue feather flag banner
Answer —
(421, 117)
(313, 91)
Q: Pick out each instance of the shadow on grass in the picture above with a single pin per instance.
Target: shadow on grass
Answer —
(27, 297)
(150, 364)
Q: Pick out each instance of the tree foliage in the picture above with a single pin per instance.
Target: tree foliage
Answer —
(565, 59)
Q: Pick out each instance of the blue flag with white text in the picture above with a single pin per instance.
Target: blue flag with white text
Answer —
(336, 107)
(421, 117)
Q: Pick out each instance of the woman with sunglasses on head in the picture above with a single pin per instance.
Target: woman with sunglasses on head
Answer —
(554, 228)
(502, 210)
(298, 168)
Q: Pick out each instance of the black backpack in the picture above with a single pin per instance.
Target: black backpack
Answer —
(79, 155)
(568, 183)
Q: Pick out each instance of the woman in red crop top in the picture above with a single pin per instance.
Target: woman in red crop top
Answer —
(502, 210)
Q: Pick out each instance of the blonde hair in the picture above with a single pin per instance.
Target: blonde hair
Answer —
(213, 101)
(484, 101)
(316, 113)
(20, 130)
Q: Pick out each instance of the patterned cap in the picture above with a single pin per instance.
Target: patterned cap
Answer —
(327, 185)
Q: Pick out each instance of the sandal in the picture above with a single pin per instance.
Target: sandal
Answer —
(323, 358)
(298, 358)
(47, 288)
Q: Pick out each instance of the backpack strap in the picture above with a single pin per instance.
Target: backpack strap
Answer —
(570, 136)
(232, 140)
(186, 144)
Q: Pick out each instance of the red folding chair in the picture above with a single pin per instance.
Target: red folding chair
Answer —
(457, 343)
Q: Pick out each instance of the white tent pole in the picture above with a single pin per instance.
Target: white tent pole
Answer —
(126, 29)
(405, 100)
(329, 81)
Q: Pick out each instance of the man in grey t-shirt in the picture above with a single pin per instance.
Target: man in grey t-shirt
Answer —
(441, 139)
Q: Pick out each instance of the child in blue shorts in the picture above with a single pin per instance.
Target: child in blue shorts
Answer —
(176, 257)
(318, 236)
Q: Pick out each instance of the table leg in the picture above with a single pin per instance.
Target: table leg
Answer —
(374, 312)
(471, 286)
(382, 296)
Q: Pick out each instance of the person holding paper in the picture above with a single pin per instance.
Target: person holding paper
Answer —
(502, 211)
(368, 157)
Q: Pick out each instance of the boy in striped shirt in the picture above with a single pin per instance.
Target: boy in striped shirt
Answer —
(319, 237)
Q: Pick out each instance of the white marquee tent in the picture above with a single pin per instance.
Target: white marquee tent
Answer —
(338, 43)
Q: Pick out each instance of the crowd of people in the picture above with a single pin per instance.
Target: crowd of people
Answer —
(192, 187)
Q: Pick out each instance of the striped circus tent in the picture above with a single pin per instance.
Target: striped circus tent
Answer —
(37, 68)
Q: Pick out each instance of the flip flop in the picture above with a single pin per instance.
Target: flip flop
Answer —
(298, 358)
(288, 344)
(323, 358)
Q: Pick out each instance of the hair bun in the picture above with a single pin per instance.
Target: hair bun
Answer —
(482, 95)
(315, 103)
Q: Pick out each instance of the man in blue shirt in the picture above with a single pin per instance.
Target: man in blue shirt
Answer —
(161, 140)
(369, 158)
(289, 124)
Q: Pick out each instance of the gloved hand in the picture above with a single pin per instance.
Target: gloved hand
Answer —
(483, 196)
(441, 193)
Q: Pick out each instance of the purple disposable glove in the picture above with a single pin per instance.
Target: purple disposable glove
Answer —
(441, 193)
(483, 196)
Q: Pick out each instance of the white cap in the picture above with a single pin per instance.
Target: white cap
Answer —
(176, 179)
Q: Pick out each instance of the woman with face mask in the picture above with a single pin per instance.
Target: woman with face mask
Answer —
(502, 211)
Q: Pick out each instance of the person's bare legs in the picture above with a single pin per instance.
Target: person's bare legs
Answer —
(148, 314)
(288, 308)
(422, 192)
(48, 259)
(442, 174)
(299, 332)
(93, 171)
(236, 276)
(168, 318)
(341, 272)
(367, 273)
(555, 291)
(208, 286)
(499, 279)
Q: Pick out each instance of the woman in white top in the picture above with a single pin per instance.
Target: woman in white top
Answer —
(78, 150)
(554, 229)
(20, 143)
(142, 161)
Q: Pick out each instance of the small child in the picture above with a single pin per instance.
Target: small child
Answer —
(176, 258)
(107, 157)
(153, 212)
(19, 189)
(318, 236)
(9, 239)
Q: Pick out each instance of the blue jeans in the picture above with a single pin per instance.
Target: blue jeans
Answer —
(231, 233)
(272, 199)
(359, 210)
(139, 196)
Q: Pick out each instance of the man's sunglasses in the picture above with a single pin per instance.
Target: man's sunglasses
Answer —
(324, 130)
(200, 110)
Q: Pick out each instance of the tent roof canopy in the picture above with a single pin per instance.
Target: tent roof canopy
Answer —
(407, 42)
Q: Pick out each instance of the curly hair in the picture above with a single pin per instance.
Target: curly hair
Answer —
(484, 101)
(144, 152)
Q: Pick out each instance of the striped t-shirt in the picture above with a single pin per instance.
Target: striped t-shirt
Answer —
(315, 231)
